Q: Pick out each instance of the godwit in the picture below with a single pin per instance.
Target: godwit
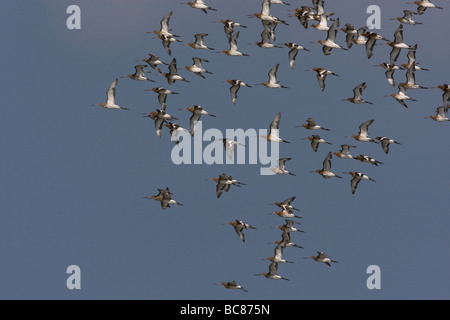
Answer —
(286, 241)
(446, 94)
(386, 142)
(199, 42)
(357, 177)
(286, 213)
(367, 159)
(273, 135)
(221, 184)
(312, 125)
(407, 18)
(231, 285)
(165, 30)
(153, 61)
(286, 204)
(325, 172)
(322, 258)
(165, 198)
(350, 32)
(323, 23)
(330, 42)
(372, 38)
(322, 75)
(411, 79)
(229, 144)
(233, 51)
(240, 225)
(173, 75)
(281, 169)
(175, 129)
(199, 4)
(424, 5)
(139, 74)
(390, 69)
(278, 256)
(363, 134)
(229, 26)
(265, 40)
(304, 15)
(273, 273)
(289, 226)
(160, 117)
(400, 96)
(163, 192)
(165, 33)
(315, 141)
(397, 45)
(235, 86)
(166, 41)
(111, 98)
(412, 59)
(197, 112)
(273, 83)
(441, 114)
(344, 153)
(197, 67)
(224, 183)
(265, 14)
(295, 48)
(162, 95)
(360, 37)
(357, 94)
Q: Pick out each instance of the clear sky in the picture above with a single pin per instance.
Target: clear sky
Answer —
(74, 176)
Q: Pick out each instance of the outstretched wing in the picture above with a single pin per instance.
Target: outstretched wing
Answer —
(111, 93)
(354, 184)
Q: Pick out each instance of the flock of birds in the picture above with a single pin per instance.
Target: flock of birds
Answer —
(305, 15)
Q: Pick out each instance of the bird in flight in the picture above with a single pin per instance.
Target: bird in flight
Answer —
(110, 102)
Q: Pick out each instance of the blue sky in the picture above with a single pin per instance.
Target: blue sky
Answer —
(74, 176)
